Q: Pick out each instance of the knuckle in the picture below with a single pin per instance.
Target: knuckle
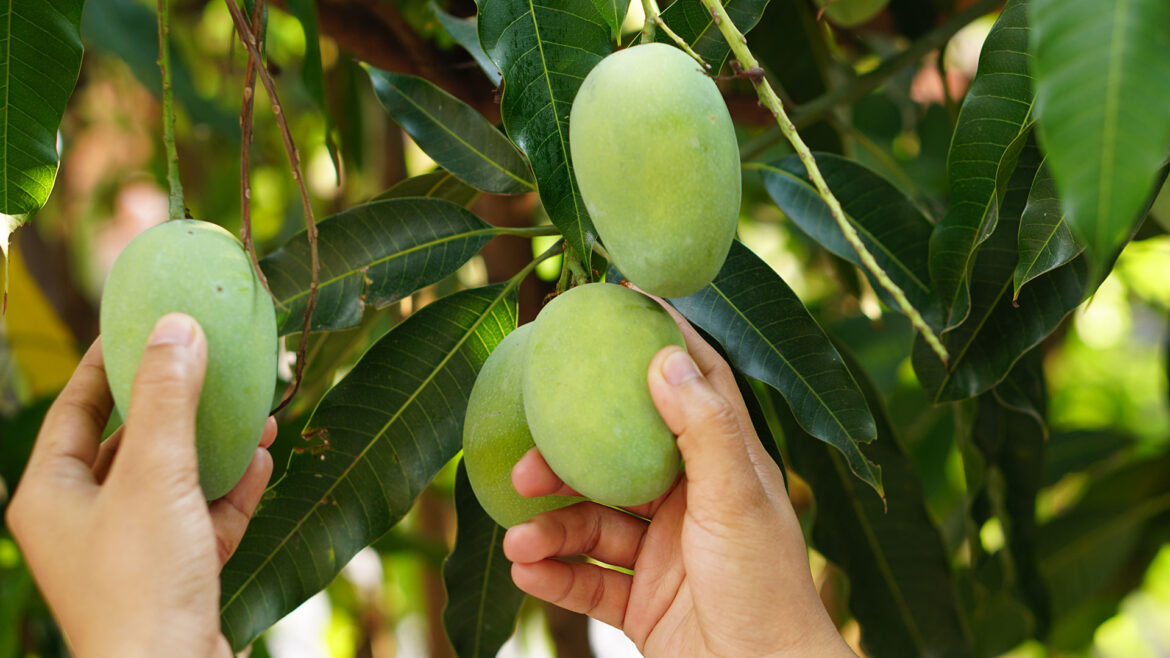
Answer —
(224, 548)
(90, 410)
(596, 596)
(718, 414)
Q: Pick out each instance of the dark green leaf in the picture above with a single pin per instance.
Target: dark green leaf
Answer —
(694, 24)
(1076, 451)
(893, 229)
(312, 73)
(770, 336)
(994, 115)
(1045, 239)
(901, 588)
(40, 57)
(1101, 96)
(545, 52)
(379, 437)
(373, 254)
(997, 331)
(452, 133)
(614, 13)
(466, 34)
(438, 184)
(482, 601)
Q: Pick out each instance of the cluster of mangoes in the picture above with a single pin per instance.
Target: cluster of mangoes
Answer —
(656, 160)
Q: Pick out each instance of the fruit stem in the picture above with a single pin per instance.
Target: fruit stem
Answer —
(177, 207)
(527, 231)
(654, 17)
(557, 248)
(770, 100)
(246, 105)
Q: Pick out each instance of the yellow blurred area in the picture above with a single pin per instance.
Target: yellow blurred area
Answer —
(42, 346)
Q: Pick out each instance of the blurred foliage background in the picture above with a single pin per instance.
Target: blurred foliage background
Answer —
(1105, 367)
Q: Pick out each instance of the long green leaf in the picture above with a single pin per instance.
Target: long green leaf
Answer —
(901, 589)
(373, 254)
(1101, 95)
(545, 50)
(994, 115)
(1045, 240)
(438, 184)
(893, 229)
(312, 72)
(614, 13)
(452, 133)
(466, 34)
(694, 24)
(482, 600)
(40, 57)
(770, 336)
(380, 436)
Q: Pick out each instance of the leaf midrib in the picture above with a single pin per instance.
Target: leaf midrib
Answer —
(1110, 119)
(7, 98)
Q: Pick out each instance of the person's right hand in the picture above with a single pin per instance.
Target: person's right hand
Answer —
(719, 569)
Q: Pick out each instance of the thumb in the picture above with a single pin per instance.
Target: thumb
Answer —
(159, 438)
(709, 434)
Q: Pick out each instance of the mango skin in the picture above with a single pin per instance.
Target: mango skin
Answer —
(200, 269)
(586, 397)
(852, 13)
(657, 163)
(496, 436)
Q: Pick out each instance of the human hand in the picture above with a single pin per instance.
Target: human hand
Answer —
(118, 535)
(719, 569)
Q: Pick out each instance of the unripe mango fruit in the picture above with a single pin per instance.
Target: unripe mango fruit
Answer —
(852, 13)
(586, 397)
(657, 164)
(200, 269)
(495, 435)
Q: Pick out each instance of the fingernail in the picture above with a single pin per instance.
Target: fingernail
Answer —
(679, 368)
(173, 329)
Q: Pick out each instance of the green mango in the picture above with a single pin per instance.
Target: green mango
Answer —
(852, 13)
(496, 436)
(657, 163)
(200, 269)
(586, 397)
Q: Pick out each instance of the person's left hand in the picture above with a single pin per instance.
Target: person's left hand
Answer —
(118, 536)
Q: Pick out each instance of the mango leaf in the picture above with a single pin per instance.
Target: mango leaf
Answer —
(614, 13)
(993, 117)
(901, 591)
(452, 133)
(312, 73)
(1101, 70)
(1080, 450)
(466, 34)
(438, 184)
(769, 335)
(482, 601)
(372, 254)
(998, 331)
(694, 24)
(893, 229)
(40, 58)
(379, 437)
(1045, 241)
(545, 51)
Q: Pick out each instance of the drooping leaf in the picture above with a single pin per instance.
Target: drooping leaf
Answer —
(482, 600)
(902, 591)
(997, 332)
(695, 25)
(545, 51)
(614, 13)
(1101, 94)
(893, 229)
(379, 437)
(312, 73)
(372, 254)
(1075, 451)
(452, 133)
(438, 184)
(994, 115)
(1045, 239)
(466, 34)
(770, 336)
(40, 58)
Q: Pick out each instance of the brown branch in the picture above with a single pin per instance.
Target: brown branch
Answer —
(294, 160)
(245, 148)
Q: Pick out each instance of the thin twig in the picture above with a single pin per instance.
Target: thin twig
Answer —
(654, 17)
(177, 207)
(294, 159)
(768, 97)
(245, 149)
